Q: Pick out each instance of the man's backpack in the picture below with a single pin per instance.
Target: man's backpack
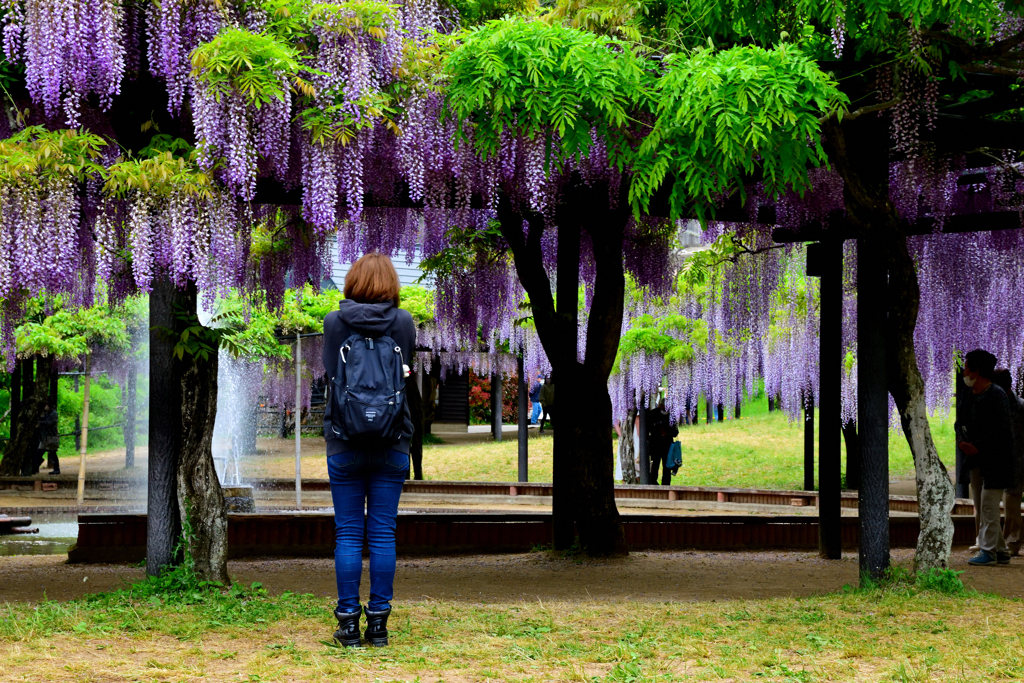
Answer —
(368, 393)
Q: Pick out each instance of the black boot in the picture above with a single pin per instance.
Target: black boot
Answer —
(377, 627)
(348, 628)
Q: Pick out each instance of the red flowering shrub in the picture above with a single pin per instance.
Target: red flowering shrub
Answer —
(480, 399)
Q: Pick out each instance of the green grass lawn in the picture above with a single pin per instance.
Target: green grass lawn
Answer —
(903, 633)
(760, 450)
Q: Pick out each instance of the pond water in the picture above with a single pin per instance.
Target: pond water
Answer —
(56, 533)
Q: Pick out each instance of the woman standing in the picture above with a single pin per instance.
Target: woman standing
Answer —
(368, 344)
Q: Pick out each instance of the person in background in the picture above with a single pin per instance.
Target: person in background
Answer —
(49, 442)
(547, 400)
(660, 434)
(1012, 496)
(367, 473)
(985, 435)
(535, 399)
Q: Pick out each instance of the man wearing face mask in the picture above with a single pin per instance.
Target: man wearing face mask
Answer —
(984, 436)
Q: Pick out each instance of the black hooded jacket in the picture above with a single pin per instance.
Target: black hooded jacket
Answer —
(371, 320)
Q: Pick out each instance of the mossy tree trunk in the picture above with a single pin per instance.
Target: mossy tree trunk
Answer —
(35, 394)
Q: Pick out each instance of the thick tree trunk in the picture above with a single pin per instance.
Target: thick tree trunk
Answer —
(128, 400)
(200, 497)
(35, 393)
(589, 424)
(934, 488)
(584, 487)
(163, 521)
(566, 465)
(626, 451)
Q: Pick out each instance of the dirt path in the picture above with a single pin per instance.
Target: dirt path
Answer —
(668, 576)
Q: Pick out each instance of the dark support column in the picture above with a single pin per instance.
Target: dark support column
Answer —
(853, 467)
(721, 412)
(497, 401)
(963, 484)
(825, 260)
(771, 404)
(163, 525)
(872, 409)
(709, 408)
(809, 443)
(15, 399)
(523, 421)
(644, 456)
(737, 415)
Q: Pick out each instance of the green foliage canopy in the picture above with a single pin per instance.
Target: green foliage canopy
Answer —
(541, 80)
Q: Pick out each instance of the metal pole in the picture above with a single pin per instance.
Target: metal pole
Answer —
(524, 421)
(497, 403)
(645, 457)
(809, 442)
(85, 435)
(298, 422)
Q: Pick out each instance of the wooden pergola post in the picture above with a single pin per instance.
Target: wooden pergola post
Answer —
(872, 408)
(825, 261)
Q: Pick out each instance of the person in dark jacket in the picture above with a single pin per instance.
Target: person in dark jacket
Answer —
(660, 435)
(366, 477)
(986, 436)
(535, 400)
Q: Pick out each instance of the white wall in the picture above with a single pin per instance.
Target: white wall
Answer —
(407, 274)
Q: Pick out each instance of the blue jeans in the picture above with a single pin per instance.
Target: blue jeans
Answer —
(535, 413)
(369, 480)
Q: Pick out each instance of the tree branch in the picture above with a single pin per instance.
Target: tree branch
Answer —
(528, 260)
(857, 113)
(606, 227)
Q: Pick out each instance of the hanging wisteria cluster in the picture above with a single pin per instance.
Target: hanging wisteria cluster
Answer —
(186, 236)
(357, 57)
(70, 50)
(353, 140)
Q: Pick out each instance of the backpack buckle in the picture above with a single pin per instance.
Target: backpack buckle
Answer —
(369, 343)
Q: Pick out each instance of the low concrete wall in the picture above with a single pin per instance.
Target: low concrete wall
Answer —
(122, 538)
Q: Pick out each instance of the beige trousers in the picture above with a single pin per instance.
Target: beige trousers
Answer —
(976, 497)
(1012, 521)
(990, 537)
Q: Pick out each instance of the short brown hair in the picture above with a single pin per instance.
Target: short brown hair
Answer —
(372, 280)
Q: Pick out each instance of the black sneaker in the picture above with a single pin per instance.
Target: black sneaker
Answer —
(1003, 558)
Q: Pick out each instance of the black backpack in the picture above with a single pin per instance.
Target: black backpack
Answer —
(368, 393)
